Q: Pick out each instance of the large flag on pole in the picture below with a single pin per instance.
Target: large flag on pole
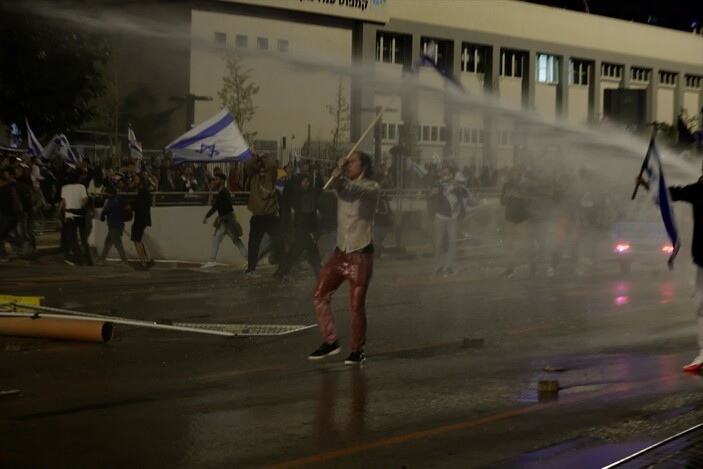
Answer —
(135, 148)
(59, 146)
(215, 140)
(34, 148)
(660, 196)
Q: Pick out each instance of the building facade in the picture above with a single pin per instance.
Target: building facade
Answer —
(554, 64)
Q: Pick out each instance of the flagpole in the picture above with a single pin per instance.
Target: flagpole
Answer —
(361, 139)
(646, 160)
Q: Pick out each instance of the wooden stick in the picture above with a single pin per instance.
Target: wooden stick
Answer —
(363, 136)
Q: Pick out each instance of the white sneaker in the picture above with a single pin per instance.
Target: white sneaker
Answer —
(208, 265)
(695, 365)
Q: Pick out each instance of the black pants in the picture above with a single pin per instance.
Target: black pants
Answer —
(259, 225)
(71, 248)
(304, 241)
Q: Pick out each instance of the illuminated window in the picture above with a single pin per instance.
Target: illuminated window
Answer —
(547, 68)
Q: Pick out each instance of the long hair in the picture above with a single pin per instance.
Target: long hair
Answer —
(366, 163)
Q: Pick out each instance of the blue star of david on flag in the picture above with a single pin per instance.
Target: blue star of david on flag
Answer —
(209, 149)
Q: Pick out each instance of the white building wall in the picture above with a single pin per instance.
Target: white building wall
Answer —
(294, 87)
(546, 101)
(510, 93)
(578, 104)
(665, 105)
(692, 104)
(554, 25)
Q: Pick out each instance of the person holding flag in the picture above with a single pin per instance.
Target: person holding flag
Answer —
(663, 196)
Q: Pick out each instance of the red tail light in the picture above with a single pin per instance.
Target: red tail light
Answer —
(621, 248)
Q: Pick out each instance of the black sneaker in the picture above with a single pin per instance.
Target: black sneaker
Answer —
(324, 350)
(355, 358)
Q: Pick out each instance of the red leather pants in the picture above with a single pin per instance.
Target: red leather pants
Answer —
(357, 269)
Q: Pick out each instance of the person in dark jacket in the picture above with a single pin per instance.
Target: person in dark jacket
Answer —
(142, 218)
(226, 223)
(264, 207)
(305, 228)
(693, 194)
(113, 212)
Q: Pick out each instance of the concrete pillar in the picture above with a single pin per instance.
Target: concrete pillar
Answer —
(594, 92)
(652, 95)
(529, 75)
(363, 53)
(452, 116)
(563, 87)
(626, 76)
(491, 82)
(678, 96)
(491, 87)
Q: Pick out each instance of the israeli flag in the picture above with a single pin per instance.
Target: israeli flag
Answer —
(135, 148)
(660, 196)
(216, 140)
(59, 146)
(34, 147)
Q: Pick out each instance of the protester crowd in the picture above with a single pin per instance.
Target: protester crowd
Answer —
(544, 216)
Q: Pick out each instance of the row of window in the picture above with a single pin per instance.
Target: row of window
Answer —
(437, 134)
(241, 41)
(395, 49)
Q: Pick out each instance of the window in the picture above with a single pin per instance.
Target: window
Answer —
(433, 133)
(547, 68)
(640, 75)
(511, 63)
(241, 41)
(425, 133)
(694, 82)
(392, 48)
(667, 78)
(473, 58)
(441, 52)
(282, 45)
(220, 40)
(611, 71)
(262, 43)
(389, 131)
(579, 71)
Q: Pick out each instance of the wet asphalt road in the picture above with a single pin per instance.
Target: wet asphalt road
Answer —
(150, 398)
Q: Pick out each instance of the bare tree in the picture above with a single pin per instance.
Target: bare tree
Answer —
(237, 95)
(339, 110)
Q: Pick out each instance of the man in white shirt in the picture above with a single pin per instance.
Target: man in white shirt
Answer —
(73, 201)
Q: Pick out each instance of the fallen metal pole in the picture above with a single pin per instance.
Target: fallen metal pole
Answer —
(228, 330)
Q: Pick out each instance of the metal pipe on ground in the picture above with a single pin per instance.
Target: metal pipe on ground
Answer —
(63, 329)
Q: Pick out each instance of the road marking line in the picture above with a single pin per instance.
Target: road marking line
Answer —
(320, 457)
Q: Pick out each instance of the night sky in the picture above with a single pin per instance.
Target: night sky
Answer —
(674, 14)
